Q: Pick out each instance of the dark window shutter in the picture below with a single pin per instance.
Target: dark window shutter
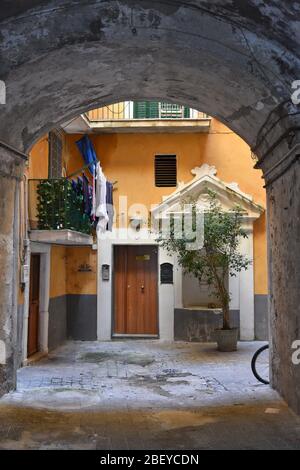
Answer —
(55, 155)
(187, 113)
(165, 171)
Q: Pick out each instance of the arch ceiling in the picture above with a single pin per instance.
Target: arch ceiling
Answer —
(234, 59)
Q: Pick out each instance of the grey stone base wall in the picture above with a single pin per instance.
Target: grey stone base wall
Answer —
(199, 325)
(72, 317)
(261, 317)
(57, 332)
(75, 317)
(82, 317)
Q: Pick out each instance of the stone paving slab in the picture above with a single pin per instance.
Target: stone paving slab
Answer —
(145, 395)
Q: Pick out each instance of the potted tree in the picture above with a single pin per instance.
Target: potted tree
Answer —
(218, 259)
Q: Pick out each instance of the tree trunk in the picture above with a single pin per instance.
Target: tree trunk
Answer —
(224, 297)
(226, 319)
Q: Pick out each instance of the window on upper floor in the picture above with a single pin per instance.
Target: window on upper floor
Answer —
(158, 110)
(145, 110)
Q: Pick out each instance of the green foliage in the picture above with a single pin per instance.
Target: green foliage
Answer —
(60, 207)
(219, 257)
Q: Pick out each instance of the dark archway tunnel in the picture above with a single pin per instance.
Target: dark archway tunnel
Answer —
(233, 60)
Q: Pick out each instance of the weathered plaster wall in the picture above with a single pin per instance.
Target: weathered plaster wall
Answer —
(284, 216)
(11, 171)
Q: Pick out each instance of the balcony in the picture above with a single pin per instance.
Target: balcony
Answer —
(56, 213)
(140, 116)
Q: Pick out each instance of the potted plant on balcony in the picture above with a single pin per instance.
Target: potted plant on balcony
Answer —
(216, 260)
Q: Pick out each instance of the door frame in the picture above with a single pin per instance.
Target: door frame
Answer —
(45, 262)
(34, 305)
(167, 295)
(116, 335)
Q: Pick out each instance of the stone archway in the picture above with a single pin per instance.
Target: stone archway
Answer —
(230, 59)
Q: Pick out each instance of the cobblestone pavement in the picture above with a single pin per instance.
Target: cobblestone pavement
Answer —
(145, 395)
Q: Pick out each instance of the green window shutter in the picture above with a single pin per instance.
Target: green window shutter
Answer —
(153, 110)
(139, 110)
(187, 113)
(145, 110)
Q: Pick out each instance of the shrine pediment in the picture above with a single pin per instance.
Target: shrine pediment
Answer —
(229, 195)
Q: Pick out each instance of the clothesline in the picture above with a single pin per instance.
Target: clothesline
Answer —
(81, 170)
(78, 171)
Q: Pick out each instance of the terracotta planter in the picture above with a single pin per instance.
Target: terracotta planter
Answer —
(227, 339)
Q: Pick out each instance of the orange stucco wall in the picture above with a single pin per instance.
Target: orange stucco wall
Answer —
(58, 276)
(78, 281)
(38, 161)
(129, 160)
(66, 276)
(260, 256)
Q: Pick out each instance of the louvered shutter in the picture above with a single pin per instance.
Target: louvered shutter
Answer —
(146, 110)
(187, 113)
(153, 110)
(165, 171)
(139, 110)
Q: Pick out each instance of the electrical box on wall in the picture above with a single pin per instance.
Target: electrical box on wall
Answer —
(24, 273)
(105, 272)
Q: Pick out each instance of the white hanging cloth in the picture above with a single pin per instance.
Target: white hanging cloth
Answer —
(100, 209)
(93, 211)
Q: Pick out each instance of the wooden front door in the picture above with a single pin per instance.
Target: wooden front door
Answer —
(34, 294)
(135, 290)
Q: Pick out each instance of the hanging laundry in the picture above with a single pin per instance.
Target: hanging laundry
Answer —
(101, 211)
(86, 195)
(109, 205)
(74, 185)
(86, 148)
(90, 190)
(93, 213)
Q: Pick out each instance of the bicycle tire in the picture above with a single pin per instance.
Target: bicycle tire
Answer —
(253, 365)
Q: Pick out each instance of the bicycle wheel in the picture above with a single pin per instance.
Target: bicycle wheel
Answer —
(260, 365)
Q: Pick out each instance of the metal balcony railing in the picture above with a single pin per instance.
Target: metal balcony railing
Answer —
(141, 110)
(54, 204)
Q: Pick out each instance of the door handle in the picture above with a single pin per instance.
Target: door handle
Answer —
(142, 289)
